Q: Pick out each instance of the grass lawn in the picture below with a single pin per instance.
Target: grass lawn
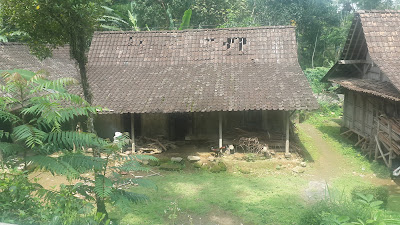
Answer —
(265, 195)
(209, 198)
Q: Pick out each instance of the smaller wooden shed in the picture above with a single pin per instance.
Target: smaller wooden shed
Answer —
(368, 73)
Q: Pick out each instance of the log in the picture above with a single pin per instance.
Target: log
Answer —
(157, 141)
(362, 139)
(380, 150)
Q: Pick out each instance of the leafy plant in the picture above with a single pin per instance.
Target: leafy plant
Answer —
(37, 109)
(379, 193)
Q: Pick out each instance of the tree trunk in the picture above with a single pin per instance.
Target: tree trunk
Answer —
(78, 51)
(101, 208)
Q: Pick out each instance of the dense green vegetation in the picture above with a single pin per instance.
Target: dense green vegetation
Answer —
(38, 109)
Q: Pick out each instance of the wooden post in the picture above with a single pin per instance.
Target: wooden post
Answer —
(133, 132)
(376, 138)
(391, 143)
(287, 115)
(220, 129)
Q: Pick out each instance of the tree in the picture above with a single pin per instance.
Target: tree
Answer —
(38, 108)
(54, 24)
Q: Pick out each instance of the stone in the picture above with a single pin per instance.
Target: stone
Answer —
(303, 164)
(288, 155)
(193, 158)
(176, 159)
(298, 169)
(145, 162)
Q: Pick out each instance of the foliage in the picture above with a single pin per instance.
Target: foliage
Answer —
(186, 20)
(379, 193)
(15, 206)
(55, 24)
(363, 210)
(37, 109)
(314, 76)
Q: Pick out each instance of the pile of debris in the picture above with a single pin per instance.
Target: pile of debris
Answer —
(153, 145)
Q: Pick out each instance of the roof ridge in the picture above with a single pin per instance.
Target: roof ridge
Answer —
(197, 30)
(378, 11)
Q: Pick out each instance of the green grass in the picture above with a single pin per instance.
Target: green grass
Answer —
(327, 124)
(253, 200)
(310, 151)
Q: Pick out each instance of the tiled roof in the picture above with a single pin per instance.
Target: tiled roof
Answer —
(198, 70)
(373, 87)
(382, 33)
(17, 56)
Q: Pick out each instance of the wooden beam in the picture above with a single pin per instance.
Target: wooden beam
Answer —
(380, 150)
(287, 132)
(355, 44)
(355, 61)
(352, 36)
(133, 132)
(220, 129)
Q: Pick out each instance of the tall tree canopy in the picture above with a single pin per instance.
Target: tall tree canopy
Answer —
(52, 24)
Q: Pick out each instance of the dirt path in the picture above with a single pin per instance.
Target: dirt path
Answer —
(331, 164)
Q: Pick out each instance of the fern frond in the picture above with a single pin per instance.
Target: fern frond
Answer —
(4, 134)
(30, 135)
(65, 97)
(7, 116)
(57, 85)
(83, 163)
(118, 194)
(102, 186)
(69, 139)
(8, 149)
(55, 166)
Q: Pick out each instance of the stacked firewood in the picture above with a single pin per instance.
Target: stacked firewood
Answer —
(387, 139)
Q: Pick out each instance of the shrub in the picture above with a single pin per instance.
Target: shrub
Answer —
(218, 167)
(380, 193)
(314, 77)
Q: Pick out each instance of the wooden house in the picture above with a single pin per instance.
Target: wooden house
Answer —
(367, 73)
(195, 84)
(190, 84)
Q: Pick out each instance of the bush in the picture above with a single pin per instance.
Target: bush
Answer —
(16, 202)
(325, 210)
(380, 193)
(314, 77)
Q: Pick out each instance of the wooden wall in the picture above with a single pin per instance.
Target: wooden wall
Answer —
(360, 111)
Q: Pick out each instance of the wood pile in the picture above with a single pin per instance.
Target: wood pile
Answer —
(387, 139)
(153, 145)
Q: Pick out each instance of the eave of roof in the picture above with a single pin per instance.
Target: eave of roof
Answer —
(377, 88)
